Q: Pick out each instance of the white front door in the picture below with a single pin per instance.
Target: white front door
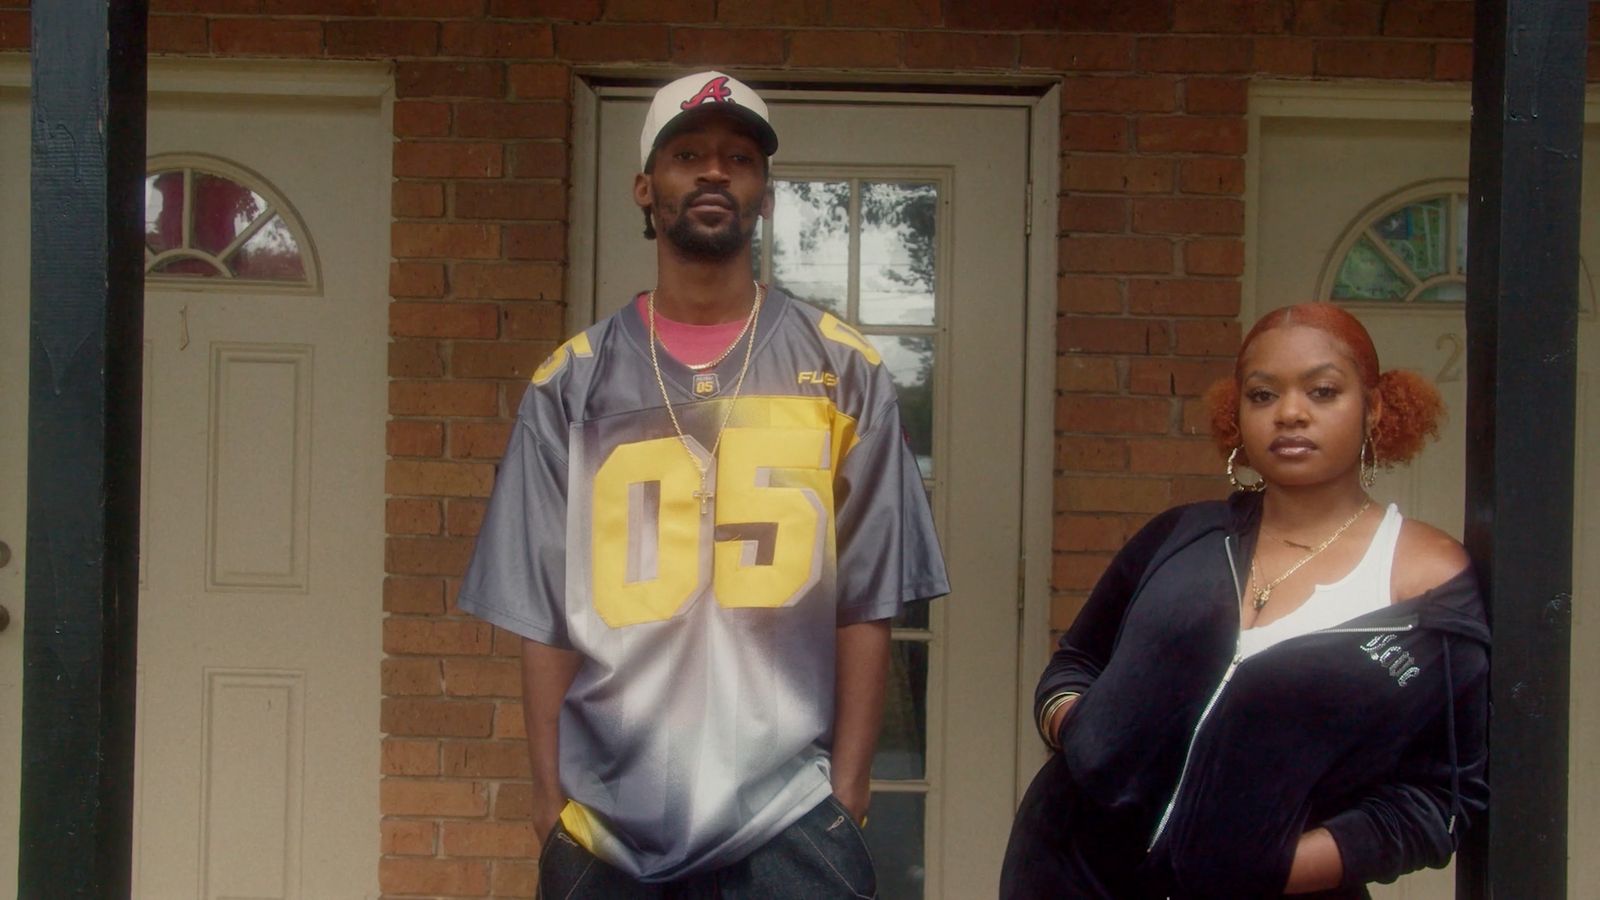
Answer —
(1390, 169)
(262, 538)
(908, 221)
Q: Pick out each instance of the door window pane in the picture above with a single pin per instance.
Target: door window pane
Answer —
(898, 222)
(271, 254)
(223, 210)
(757, 251)
(1447, 292)
(1366, 275)
(163, 211)
(186, 265)
(915, 615)
(910, 362)
(1416, 234)
(903, 743)
(894, 836)
(811, 242)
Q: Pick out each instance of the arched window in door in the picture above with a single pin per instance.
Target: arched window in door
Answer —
(1411, 247)
(210, 223)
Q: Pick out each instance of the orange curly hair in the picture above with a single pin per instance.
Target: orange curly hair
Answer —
(1411, 406)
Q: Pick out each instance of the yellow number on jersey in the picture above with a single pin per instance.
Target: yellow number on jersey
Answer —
(645, 541)
(774, 501)
(781, 477)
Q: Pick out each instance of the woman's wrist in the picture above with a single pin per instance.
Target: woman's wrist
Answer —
(1051, 713)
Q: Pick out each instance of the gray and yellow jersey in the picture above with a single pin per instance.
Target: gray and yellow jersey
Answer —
(699, 723)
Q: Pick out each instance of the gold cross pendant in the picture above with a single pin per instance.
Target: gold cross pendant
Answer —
(704, 496)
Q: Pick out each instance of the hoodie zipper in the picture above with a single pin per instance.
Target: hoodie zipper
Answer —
(1183, 773)
(1227, 675)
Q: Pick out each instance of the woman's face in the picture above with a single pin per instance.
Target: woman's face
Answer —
(1302, 411)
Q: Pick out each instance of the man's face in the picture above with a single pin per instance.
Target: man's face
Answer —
(708, 188)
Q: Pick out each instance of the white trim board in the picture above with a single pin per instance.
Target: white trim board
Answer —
(303, 79)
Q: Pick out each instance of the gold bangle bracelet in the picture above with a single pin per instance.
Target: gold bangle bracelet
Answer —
(1048, 711)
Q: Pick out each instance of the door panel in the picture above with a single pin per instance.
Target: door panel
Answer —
(260, 607)
(14, 248)
(907, 221)
(1299, 223)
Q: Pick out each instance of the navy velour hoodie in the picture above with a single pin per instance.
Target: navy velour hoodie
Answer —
(1375, 730)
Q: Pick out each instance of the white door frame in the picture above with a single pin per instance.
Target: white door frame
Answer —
(1039, 372)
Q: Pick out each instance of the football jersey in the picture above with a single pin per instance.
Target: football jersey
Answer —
(699, 721)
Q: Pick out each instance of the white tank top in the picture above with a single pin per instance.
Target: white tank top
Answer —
(1363, 590)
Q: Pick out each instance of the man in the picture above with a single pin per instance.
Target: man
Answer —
(706, 518)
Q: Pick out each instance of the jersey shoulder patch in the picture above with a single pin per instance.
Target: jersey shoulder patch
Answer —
(577, 346)
(837, 331)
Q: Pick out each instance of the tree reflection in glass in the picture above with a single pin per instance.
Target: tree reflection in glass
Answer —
(811, 242)
(910, 362)
(897, 252)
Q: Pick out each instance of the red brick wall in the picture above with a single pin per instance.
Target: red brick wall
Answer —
(1150, 253)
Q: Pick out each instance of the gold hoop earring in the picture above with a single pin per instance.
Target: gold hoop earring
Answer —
(1255, 486)
(1369, 471)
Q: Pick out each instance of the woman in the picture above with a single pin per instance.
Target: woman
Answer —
(1281, 693)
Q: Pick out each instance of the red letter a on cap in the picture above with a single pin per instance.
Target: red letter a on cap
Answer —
(714, 91)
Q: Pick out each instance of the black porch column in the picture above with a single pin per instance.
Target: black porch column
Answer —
(1522, 312)
(83, 448)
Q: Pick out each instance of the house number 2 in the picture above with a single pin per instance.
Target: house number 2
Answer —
(1451, 370)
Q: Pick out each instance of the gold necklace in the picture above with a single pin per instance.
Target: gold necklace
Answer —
(1264, 592)
(1283, 540)
(701, 367)
(704, 495)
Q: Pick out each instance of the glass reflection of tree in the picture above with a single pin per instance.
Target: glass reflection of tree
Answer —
(910, 212)
(823, 210)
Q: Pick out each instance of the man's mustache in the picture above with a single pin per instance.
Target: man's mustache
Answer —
(692, 196)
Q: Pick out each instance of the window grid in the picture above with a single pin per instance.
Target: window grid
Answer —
(267, 247)
(1367, 235)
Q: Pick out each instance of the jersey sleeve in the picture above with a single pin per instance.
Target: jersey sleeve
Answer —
(887, 549)
(517, 576)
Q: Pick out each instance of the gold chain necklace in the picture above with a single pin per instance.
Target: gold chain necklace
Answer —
(704, 495)
(1264, 592)
(748, 320)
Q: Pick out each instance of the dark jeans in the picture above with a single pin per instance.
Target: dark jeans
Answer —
(823, 855)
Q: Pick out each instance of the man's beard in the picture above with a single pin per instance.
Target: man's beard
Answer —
(720, 243)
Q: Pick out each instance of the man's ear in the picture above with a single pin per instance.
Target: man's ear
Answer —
(767, 201)
(643, 191)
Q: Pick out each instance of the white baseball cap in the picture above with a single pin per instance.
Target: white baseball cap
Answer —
(704, 91)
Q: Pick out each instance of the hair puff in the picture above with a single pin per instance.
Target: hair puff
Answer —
(1222, 400)
(1411, 414)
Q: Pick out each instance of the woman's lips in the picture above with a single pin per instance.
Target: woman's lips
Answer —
(1291, 447)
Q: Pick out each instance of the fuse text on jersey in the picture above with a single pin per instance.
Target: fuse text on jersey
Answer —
(826, 379)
